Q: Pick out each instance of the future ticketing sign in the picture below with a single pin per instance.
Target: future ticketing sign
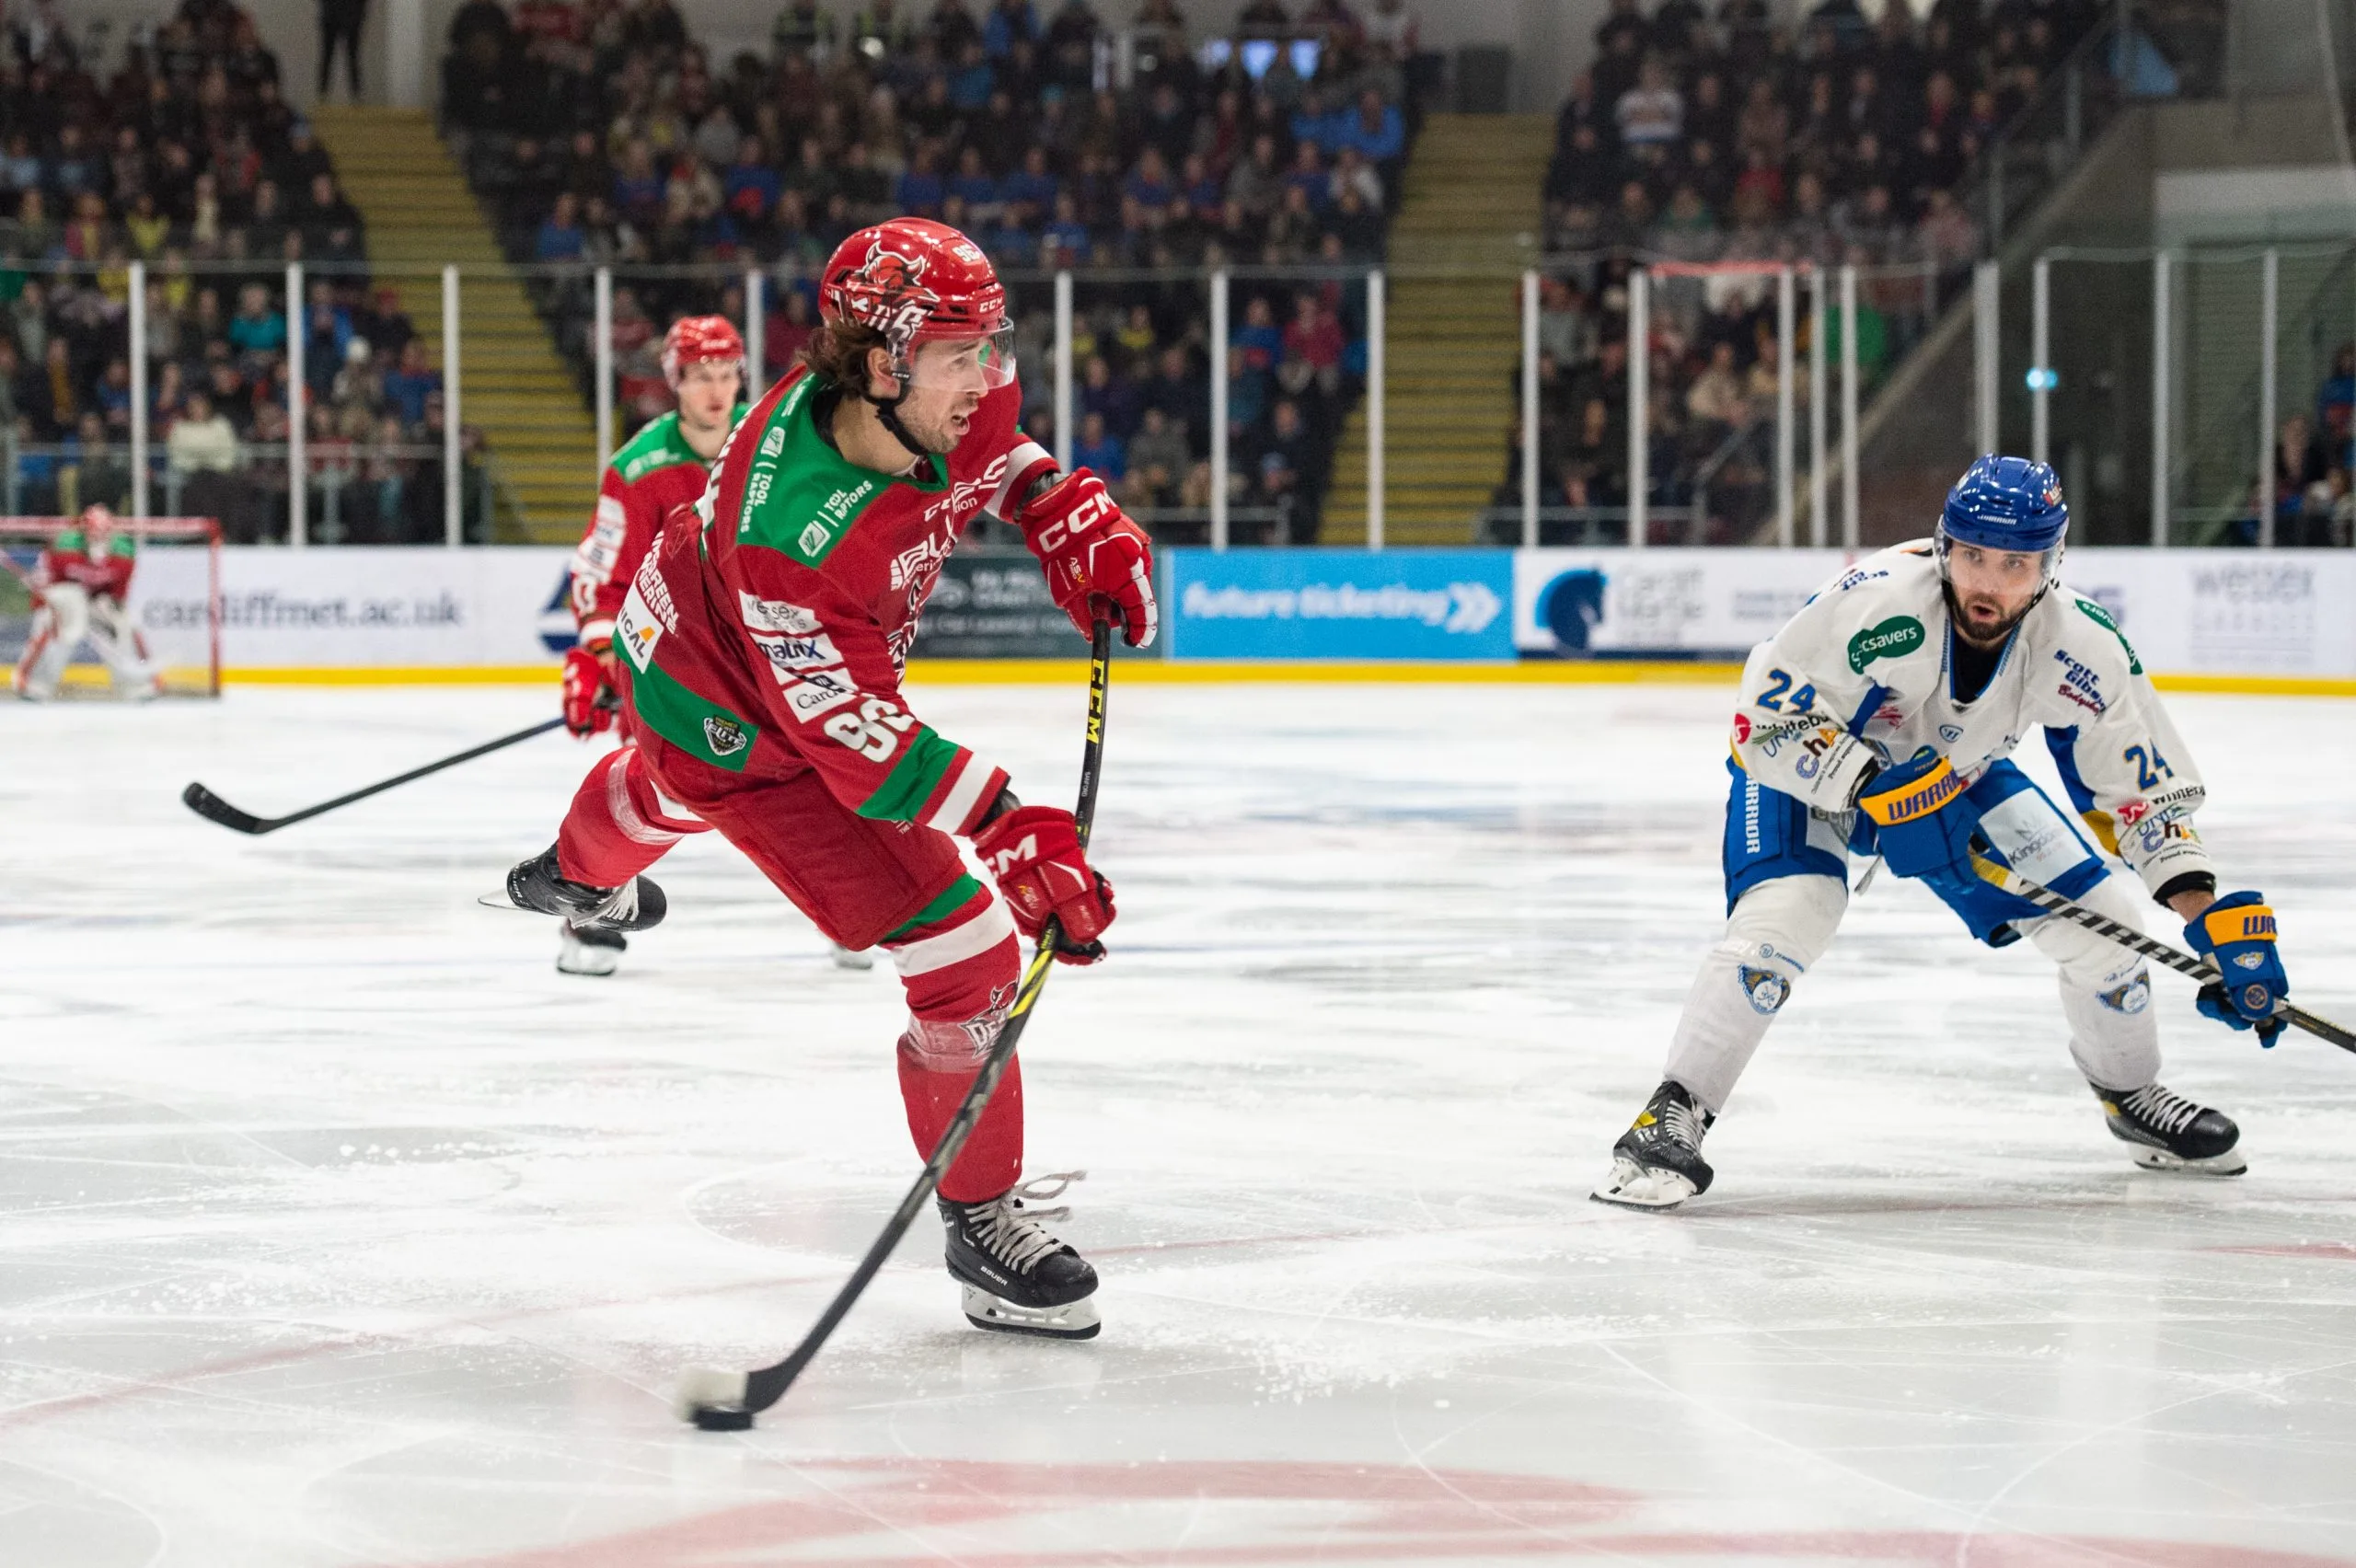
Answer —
(1354, 605)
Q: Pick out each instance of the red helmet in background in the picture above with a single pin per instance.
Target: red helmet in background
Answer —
(694, 339)
(918, 281)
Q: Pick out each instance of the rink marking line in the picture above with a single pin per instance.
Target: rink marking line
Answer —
(421, 1336)
(1158, 672)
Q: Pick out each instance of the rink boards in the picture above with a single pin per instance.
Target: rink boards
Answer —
(399, 614)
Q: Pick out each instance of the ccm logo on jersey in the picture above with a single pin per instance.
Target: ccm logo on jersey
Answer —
(874, 730)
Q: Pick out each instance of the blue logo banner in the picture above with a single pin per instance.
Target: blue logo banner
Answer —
(1319, 604)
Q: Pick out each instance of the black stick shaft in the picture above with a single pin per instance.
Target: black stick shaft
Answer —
(2045, 898)
(766, 1386)
(201, 801)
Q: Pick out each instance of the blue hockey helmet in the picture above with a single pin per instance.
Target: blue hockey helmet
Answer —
(2007, 503)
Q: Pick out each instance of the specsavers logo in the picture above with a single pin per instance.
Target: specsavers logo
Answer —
(1893, 639)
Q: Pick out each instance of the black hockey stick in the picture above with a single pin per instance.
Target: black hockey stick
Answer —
(2045, 898)
(727, 1401)
(213, 808)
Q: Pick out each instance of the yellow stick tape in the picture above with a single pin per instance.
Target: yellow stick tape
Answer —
(1153, 672)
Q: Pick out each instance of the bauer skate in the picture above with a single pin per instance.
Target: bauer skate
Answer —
(589, 949)
(1658, 1162)
(1018, 1279)
(2168, 1131)
(536, 885)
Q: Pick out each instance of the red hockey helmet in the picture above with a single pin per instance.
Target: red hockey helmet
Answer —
(920, 282)
(694, 339)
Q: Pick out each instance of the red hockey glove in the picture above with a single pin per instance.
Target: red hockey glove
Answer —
(1093, 554)
(1034, 852)
(589, 702)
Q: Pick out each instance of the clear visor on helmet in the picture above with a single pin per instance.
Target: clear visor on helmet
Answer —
(2041, 566)
(965, 364)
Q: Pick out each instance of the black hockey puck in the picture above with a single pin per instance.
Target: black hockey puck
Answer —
(722, 1418)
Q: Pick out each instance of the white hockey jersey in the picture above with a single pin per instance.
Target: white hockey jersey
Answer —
(1861, 676)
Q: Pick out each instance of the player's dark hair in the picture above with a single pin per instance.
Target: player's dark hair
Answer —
(838, 353)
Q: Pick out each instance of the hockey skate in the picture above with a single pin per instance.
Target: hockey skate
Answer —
(2168, 1131)
(1658, 1162)
(536, 885)
(1018, 1279)
(851, 958)
(589, 949)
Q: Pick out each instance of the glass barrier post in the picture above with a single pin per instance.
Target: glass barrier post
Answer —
(1818, 519)
(2269, 304)
(1639, 402)
(1063, 371)
(601, 353)
(1849, 407)
(1785, 321)
(2161, 402)
(453, 481)
(1530, 414)
(138, 389)
(2039, 299)
(1377, 329)
(298, 511)
(1218, 409)
(755, 333)
(1987, 283)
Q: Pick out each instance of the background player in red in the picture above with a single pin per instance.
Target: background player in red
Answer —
(662, 467)
(763, 644)
(82, 589)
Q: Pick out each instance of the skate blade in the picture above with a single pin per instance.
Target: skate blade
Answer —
(2230, 1163)
(1631, 1185)
(500, 901)
(1073, 1319)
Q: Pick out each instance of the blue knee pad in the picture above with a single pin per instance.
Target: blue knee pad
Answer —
(1770, 834)
(2021, 828)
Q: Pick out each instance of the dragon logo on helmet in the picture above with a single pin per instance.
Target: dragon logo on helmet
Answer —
(886, 292)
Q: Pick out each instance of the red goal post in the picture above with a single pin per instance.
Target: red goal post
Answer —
(176, 599)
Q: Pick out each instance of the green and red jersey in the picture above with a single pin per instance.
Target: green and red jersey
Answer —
(105, 574)
(768, 632)
(654, 471)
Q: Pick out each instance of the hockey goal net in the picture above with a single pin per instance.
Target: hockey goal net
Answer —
(175, 600)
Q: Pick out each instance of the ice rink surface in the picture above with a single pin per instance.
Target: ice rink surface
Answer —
(340, 1229)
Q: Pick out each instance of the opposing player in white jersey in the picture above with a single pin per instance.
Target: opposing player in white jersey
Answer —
(82, 589)
(1880, 720)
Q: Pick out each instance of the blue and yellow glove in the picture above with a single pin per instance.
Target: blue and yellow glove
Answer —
(1922, 822)
(2236, 934)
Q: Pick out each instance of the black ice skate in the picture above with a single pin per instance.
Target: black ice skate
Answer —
(1658, 1162)
(590, 950)
(1018, 1278)
(2170, 1133)
(536, 885)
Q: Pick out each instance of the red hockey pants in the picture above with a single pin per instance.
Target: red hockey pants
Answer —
(864, 883)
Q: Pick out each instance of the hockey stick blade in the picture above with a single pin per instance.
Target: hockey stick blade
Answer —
(2045, 898)
(213, 808)
(716, 1401)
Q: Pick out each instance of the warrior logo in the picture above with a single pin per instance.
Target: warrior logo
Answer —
(1765, 990)
(724, 736)
(2131, 997)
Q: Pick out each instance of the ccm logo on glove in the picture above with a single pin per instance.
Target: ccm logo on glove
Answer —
(1033, 854)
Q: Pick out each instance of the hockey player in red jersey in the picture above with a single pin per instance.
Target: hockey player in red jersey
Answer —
(662, 467)
(82, 589)
(762, 646)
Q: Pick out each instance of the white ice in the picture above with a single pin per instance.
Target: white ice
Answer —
(340, 1229)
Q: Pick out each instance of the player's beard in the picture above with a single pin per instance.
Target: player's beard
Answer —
(1984, 634)
(939, 434)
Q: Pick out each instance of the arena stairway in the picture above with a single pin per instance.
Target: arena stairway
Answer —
(1469, 220)
(513, 385)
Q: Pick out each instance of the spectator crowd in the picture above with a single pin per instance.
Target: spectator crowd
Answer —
(601, 134)
(186, 156)
(1726, 137)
